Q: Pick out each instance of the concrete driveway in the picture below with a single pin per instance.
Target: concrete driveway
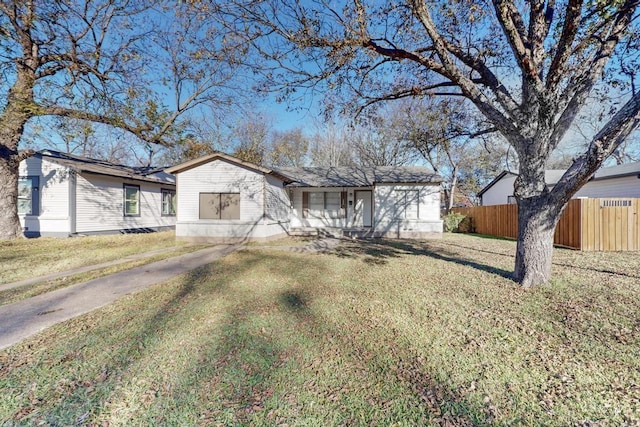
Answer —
(30, 316)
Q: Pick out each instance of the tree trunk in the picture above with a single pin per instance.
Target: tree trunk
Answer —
(10, 227)
(537, 220)
(452, 191)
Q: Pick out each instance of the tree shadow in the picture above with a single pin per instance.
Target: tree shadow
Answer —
(234, 374)
(380, 251)
(555, 263)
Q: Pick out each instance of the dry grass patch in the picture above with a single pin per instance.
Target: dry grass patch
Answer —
(10, 296)
(377, 333)
(25, 258)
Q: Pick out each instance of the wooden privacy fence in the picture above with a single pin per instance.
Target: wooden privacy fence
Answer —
(586, 224)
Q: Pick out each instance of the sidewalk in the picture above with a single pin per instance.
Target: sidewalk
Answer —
(28, 317)
(86, 268)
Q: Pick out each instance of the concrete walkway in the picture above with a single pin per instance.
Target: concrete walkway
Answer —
(28, 317)
(86, 268)
(325, 244)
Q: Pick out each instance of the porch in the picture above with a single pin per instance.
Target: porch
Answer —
(351, 232)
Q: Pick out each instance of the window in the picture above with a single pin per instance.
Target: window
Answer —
(316, 204)
(324, 204)
(332, 205)
(168, 202)
(28, 203)
(219, 205)
(131, 200)
(408, 204)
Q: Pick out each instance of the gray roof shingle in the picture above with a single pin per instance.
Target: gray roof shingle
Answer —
(100, 167)
(355, 176)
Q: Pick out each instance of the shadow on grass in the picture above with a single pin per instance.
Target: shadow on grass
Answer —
(555, 263)
(380, 251)
(235, 372)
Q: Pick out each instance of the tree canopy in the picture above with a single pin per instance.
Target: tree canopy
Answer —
(528, 67)
(113, 62)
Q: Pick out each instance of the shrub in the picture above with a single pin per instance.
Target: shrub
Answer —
(452, 221)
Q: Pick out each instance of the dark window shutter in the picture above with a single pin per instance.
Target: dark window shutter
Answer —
(343, 203)
(305, 204)
(35, 196)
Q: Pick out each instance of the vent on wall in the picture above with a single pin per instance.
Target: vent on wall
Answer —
(615, 203)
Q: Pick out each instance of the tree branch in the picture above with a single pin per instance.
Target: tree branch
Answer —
(605, 142)
(141, 131)
(567, 37)
(513, 27)
(590, 72)
(453, 73)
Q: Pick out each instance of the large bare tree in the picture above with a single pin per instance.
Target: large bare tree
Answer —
(113, 62)
(527, 66)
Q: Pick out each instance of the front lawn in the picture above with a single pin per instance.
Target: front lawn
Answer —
(26, 258)
(376, 333)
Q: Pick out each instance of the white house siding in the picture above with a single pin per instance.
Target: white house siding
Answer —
(628, 186)
(53, 198)
(499, 192)
(220, 176)
(389, 220)
(99, 205)
(277, 202)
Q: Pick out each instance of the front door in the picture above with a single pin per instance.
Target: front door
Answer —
(363, 209)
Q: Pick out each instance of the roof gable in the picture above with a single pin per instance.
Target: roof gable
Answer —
(229, 159)
(551, 177)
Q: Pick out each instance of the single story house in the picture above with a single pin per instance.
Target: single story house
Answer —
(613, 181)
(222, 198)
(61, 195)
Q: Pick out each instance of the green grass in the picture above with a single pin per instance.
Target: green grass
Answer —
(377, 333)
(26, 258)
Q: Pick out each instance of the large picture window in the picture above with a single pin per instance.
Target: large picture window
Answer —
(131, 200)
(168, 202)
(324, 204)
(28, 203)
(408, 202)
(219, 205)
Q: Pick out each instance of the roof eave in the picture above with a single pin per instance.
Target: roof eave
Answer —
(494, 181)
(233, 160)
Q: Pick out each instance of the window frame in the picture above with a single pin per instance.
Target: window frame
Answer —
(172, 202)
(403, 203)
(125, 200)
(220, 208)
(310, 211)
(34, 209)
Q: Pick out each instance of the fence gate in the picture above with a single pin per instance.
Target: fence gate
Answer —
(610, 225)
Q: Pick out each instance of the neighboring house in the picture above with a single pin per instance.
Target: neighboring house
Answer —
(613, 181)
(62, 194)
(222, 198)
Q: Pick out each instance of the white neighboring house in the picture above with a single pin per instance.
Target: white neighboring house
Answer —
(221, 198)
(613, 181)
(63, 195)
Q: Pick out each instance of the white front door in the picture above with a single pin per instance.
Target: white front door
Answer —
(363, 209)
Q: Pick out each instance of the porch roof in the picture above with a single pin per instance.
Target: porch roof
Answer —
(354, 176)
